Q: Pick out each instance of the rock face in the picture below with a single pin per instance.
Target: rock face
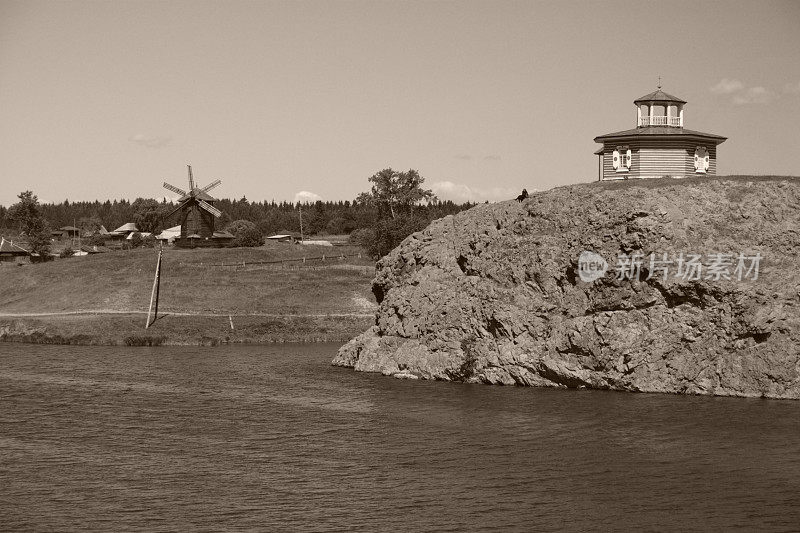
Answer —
(496, 294)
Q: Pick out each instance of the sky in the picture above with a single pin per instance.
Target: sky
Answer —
(108, 99)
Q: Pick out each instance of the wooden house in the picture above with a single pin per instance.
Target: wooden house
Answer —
(122, 232)
(11, 253)
(659, 145)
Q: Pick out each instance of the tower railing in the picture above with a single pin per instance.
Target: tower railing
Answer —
(660, 120)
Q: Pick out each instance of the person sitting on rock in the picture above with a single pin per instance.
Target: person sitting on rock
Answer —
(523, 195)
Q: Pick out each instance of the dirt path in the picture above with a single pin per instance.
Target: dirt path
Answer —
(179, 313)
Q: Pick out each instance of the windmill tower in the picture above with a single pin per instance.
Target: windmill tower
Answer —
(197, 213)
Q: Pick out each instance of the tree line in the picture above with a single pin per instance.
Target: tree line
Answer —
(395, 206)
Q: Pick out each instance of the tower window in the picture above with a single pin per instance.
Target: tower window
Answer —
(621, 159)
(701, 160)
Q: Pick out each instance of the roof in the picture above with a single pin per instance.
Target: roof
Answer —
(169, 233)
(661, 131)
(142, 235)
(658, 96)
(276, 237)
(103, 230)
(88, 248)
(130, 226)
(8, 247)
(223, 235)
(69, 228)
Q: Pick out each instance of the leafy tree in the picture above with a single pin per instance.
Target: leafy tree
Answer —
(245, 233)
(147, 214)
(97, 240)
(27, 214)
(389, 233)
(362, 237)
(90, 225)
(337, 226)
(396, 192)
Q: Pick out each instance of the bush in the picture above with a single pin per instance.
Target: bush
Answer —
(362, 236)
(144, 340)
(337, 226)
(97, 240)
(66, 252)
(245, 233)
(389, 233)
(136, 240)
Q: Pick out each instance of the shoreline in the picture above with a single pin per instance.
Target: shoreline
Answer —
(126, 328)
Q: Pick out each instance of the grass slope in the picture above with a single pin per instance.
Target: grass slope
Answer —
(268, 302)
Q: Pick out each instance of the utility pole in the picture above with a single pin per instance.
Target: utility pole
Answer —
(301, 221)
(156, 288)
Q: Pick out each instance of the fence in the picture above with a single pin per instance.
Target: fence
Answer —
(310, 263)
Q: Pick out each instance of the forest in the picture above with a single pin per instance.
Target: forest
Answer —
(319, 218)
(395, 207)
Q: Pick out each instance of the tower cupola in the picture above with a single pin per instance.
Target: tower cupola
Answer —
(659, 109)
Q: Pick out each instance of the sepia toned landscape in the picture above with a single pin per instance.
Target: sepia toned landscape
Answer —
(358, 265)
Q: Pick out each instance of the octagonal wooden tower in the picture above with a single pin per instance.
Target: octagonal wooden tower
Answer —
(659, 145)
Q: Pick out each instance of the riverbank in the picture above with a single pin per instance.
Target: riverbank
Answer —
(110, 329)
(208, 297)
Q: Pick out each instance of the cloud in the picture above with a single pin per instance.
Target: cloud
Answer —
(726, 86)
(741, 95)
(306, 196)
(460, 193)
(149, 141)
(792, 88)
(754, 95)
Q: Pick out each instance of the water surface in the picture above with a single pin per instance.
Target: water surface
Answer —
(274, 438)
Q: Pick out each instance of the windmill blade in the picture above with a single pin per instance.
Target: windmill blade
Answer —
(211, 185)
(180, 206)
(174, 189)
(210, 208)
(191, 179)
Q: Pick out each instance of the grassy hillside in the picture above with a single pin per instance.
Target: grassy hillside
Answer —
(198, 294)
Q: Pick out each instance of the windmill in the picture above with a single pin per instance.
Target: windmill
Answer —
(197, 212)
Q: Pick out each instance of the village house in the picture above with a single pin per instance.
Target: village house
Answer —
(659, 145)
(12, 253)
(65, 232)
(122, 232)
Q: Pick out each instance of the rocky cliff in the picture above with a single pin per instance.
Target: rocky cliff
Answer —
(682, 286)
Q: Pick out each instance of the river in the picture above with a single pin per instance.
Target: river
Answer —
(274, 438)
